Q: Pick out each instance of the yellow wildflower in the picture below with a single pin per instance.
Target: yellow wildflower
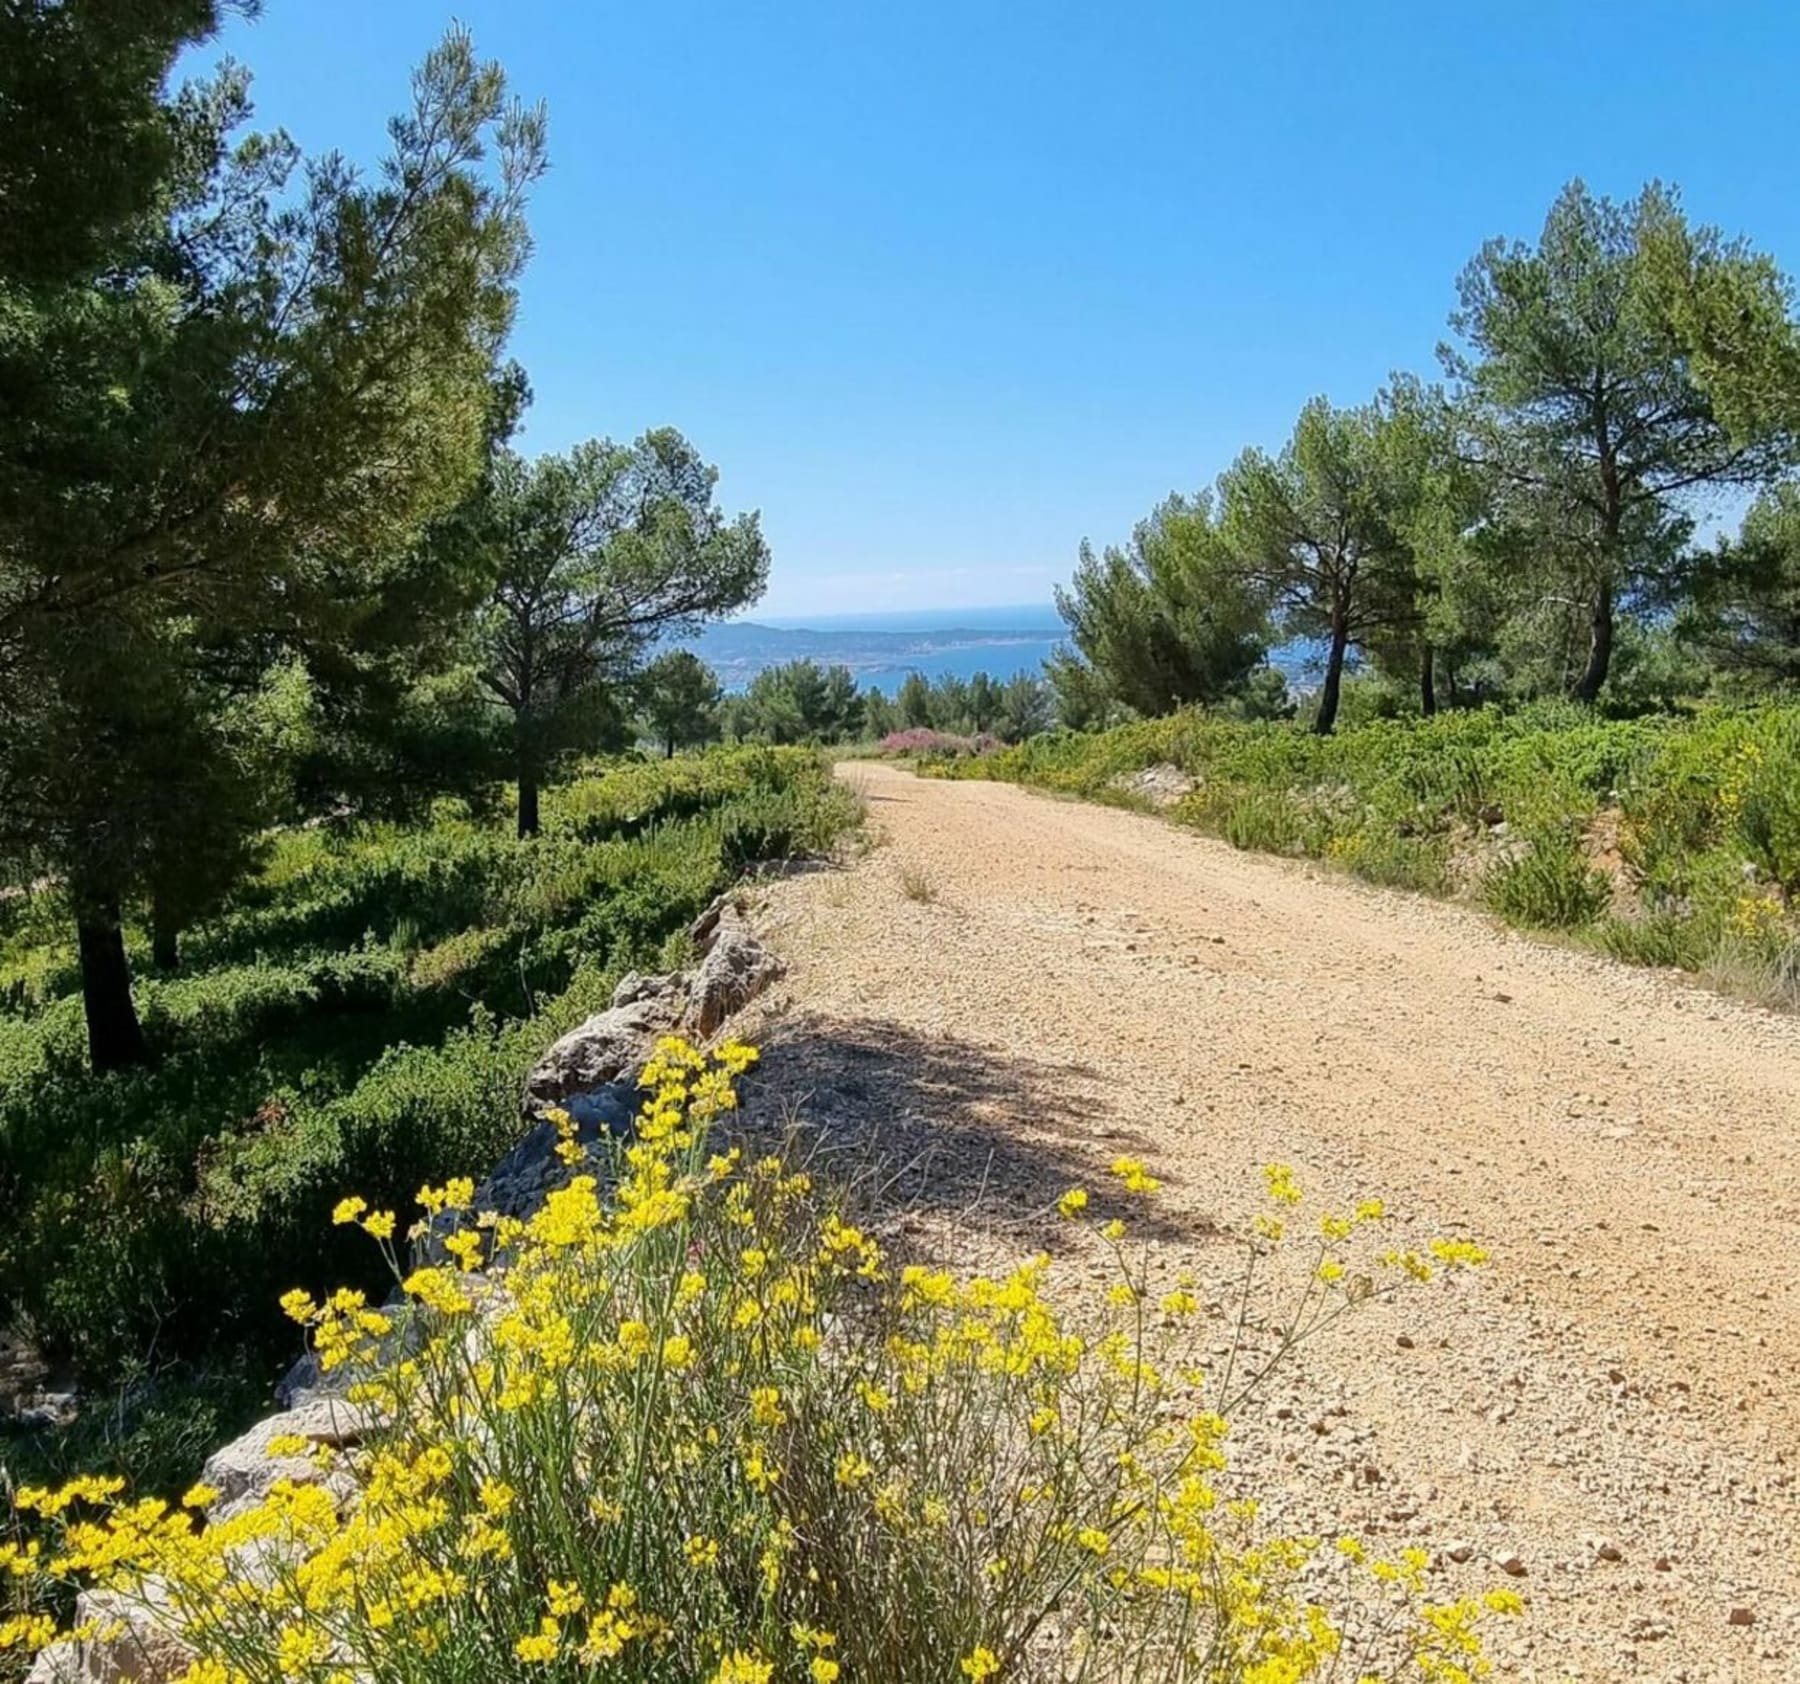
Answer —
(539, 1648)
(1136, 1178)
(743, 1666)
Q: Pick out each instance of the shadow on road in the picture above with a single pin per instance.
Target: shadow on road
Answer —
(951, 1128)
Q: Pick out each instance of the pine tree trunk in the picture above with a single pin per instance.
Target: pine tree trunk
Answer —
(669, 754)
(1600, 643)
(528, 802)
(165, 935)
(1427, 683)
(1334, 677)
(115, 1037)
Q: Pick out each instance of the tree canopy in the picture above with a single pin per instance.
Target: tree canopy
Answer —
(679, 696)
(1167, 620)
(229, 377)
(1607, 375)
(597, 554)
(1518, 532)
(1319, 532)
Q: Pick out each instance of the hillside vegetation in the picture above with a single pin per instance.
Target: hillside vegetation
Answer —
(360, 1013)
(1666, 840)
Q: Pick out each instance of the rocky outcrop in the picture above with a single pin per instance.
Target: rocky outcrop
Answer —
(736, 968)
(137, 1643)
(602, 1049)
(243, 1472)
(1161, 785)
(528, 1172)
(138, 1638)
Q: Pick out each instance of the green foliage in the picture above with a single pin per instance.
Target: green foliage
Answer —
(1167, 620)
(1608, 375)
(1668, 840)
(360, 1012)
(1268, 820)
(1527, 533)
(1551, 886)
(802, 702)
(1079, 694)
(159, 1428)
(1024, 708)
(232, 386)
(1319, 533)
(1743, 611)
(914, 700)
(597, 555)
(679, 695)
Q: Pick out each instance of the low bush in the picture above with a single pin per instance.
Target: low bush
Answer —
(1392, 860)
(1549, 886)
(923, 741)
(1657, 837)
(364, 1011)
(708, 1431)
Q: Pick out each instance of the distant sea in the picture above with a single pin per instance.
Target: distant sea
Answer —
(881, 649)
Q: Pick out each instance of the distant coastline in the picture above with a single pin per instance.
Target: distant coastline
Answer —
(881, 649)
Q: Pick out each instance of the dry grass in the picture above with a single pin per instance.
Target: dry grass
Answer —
(917, 885)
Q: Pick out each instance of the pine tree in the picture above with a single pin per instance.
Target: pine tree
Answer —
(225, 379)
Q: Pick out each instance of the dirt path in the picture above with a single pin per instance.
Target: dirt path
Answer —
(1033, 987)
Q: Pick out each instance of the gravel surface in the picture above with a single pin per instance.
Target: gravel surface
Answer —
(1018, 989)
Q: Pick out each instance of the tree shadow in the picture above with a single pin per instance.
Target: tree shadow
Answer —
(943, 1126)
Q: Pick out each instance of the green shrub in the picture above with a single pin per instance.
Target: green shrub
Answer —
(1392, 860)
(1269, 820)
(364, 1011)
(1762, 796)
(1662, 938)
(1551, 886)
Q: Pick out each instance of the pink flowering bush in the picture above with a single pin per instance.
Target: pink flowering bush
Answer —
(923, 740)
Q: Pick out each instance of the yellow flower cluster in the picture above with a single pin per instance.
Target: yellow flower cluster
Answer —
(688, 1421)
(1741, 772)
(1756, 917)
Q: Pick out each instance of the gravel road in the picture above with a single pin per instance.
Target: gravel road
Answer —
(1607, 1419)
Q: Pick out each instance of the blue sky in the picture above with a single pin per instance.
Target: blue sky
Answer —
(943, 288)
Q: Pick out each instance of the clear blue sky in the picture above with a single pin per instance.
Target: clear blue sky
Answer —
(944, 287)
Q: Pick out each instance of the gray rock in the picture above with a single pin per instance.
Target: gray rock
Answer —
(736, 969)
(1162, 785)
(139, 1639)
(608, 1045)
(700, 932)
(243, 1471)
(633, 987)
(139, 1645)
(519, 1182)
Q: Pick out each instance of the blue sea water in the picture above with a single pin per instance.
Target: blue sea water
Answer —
(998, 660)
(881, 649)
(1029, 616)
